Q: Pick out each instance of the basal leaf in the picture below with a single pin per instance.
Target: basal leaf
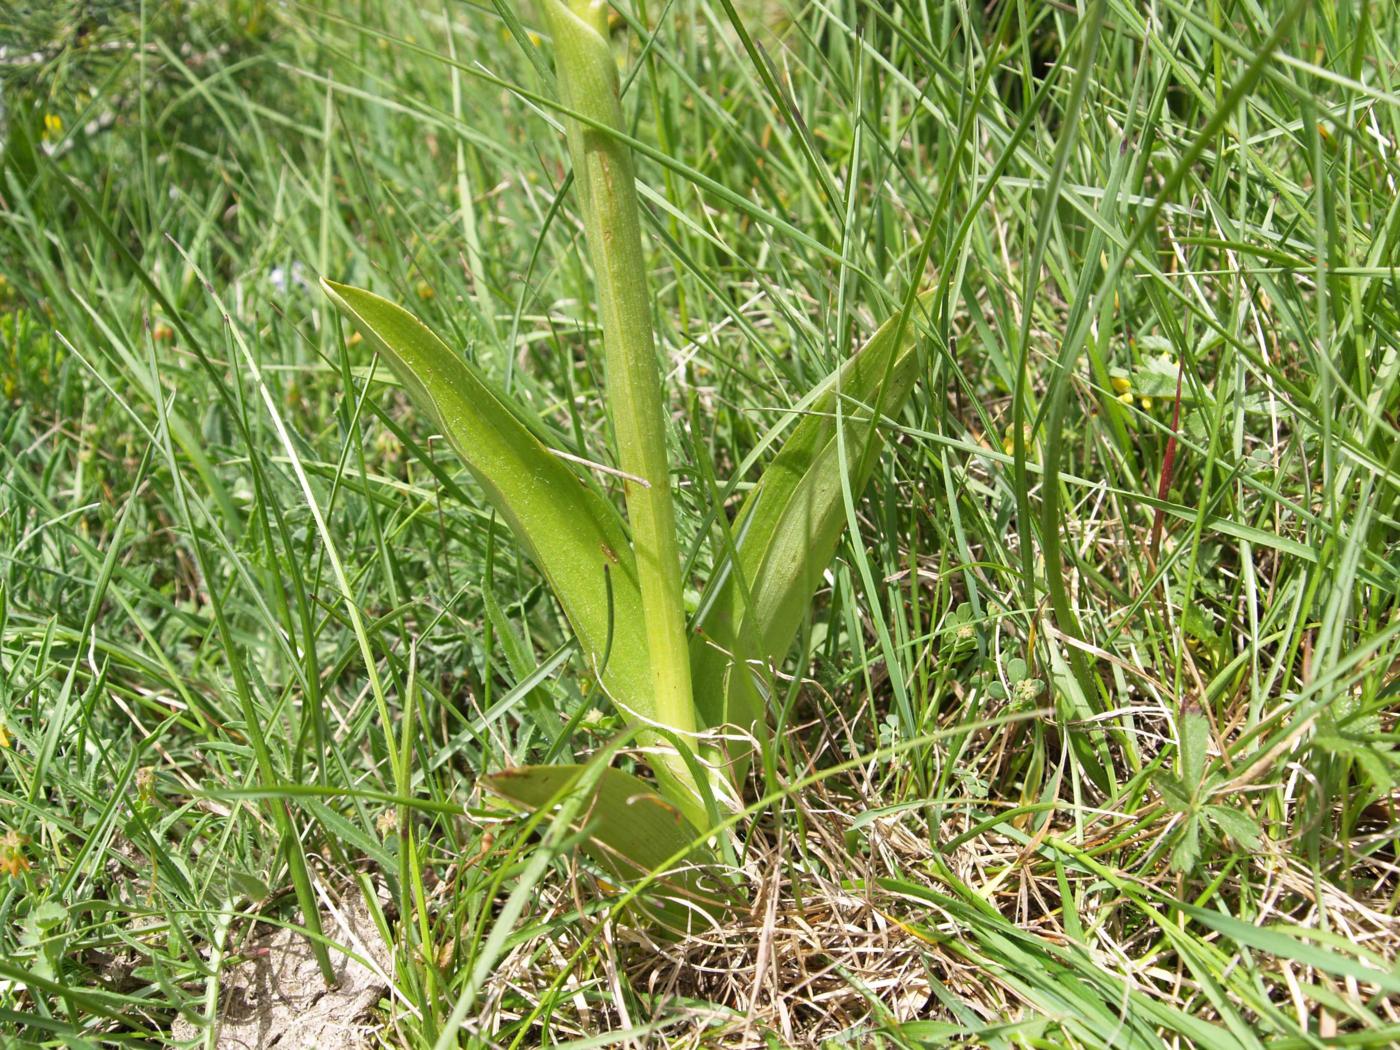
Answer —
(572, 533)
(790, 524)
(631, 832)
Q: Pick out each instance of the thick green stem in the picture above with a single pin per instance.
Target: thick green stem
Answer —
(603, 173)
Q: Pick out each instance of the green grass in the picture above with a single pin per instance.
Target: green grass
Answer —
(1034, 779)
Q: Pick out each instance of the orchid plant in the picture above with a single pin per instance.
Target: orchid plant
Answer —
(693, 688)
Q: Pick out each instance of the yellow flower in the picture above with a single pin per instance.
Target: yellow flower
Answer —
(12, 859)
(355, 339)
(4, 736)
(53, 125)
(425, 290)
(1008, 442)
(1120, 382)
(162, 332)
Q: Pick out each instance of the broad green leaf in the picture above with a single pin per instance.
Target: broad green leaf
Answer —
(47, 915)
(1195, 736)
(1174, 794)
(790, 524)
(631, 832)
(572, 533)
(1188, 845)
(1239, 825)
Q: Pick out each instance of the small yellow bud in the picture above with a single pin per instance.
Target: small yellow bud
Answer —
(425, 290)
(355, 339)
(1126, 397)
(1121, 383)
(1145, 402)
(162, 332)
(1008, 442)
(53, 125)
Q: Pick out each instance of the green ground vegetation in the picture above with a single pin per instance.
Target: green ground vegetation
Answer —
(1088, 738)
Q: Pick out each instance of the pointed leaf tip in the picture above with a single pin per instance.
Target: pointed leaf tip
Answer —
(574, 535)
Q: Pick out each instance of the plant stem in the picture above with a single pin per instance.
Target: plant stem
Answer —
(588, 86)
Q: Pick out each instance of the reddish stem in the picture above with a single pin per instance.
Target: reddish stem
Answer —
(1168, 460)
